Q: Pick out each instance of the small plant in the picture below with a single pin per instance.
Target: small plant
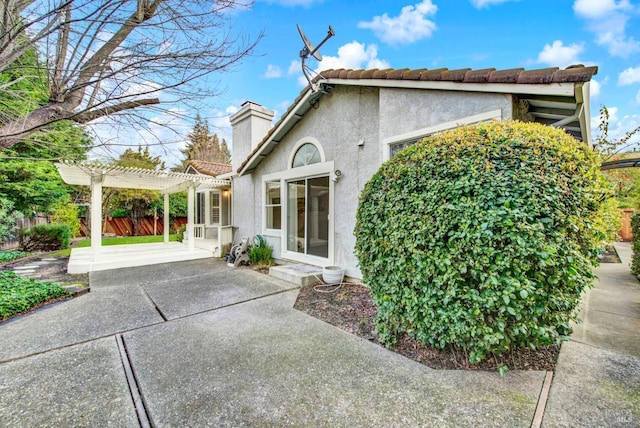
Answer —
(7, 256)
(261, 254)
(45, 237)
(180, 232)
(18, 294)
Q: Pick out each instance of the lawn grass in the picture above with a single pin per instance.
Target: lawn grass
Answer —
(122, 240)
(18, 294)
(119, 240)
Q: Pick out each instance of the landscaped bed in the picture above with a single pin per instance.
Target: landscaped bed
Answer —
(351, 308)
(19, 294)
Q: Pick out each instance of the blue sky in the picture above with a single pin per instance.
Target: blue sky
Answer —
(475, 34)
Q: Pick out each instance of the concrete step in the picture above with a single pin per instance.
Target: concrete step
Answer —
(299, 274)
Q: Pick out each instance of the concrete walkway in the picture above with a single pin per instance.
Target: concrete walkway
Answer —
(198, 344)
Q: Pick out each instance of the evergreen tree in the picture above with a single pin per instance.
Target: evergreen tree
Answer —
(203, 146)
(135, 202)
(28, 177)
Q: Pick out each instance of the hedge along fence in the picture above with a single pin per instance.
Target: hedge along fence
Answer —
(482, 237)
(635, 244)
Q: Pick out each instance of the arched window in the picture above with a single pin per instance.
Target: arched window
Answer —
(306, 154)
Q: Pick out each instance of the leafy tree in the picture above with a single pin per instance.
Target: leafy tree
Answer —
(203, 146)
(103, 58)
(483, 237)
(67, 214)
(27, 175)
(8, 217)
(136, 202)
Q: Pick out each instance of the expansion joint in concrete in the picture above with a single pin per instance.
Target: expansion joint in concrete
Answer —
(134, 389)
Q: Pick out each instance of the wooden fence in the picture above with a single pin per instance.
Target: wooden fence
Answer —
(12, 242)
(625, 229)
(122, 226)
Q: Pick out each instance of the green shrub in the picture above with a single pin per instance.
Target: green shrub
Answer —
(45, 237)
(261, 254)
(7, 256)
(635, 244)
(18, 294)
(180, 233)
(67, 214)
(482, 237)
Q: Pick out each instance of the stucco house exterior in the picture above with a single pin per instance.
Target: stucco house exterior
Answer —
(297, 182)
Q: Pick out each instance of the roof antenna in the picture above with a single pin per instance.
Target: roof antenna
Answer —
(310, 50)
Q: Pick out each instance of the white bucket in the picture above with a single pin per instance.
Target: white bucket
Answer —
(332, 274)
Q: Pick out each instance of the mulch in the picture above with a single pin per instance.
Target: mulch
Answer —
(351, 308)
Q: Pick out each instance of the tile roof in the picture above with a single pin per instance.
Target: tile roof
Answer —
(572, 74)
(209, 168)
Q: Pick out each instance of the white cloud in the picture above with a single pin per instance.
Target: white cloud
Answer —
(479, 4)
(638, 98)
(408, 27)
(354, 55)
(596, 9)
(629, 76)
(273, 71)
(607, 19)
(594, 88)
(559, 55)
(618, 127)
(294, 67)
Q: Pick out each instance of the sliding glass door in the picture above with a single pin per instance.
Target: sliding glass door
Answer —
(308, 216)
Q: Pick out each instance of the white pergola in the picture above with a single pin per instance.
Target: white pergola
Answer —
(97, 176)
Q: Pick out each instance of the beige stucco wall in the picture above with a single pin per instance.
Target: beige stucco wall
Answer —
(341, 120)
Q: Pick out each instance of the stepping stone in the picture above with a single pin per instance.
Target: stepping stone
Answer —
(24, 271)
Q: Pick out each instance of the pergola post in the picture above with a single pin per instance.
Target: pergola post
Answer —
(96, 215)
(166, 217)
(191, 197)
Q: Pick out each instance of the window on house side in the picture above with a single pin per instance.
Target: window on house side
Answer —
(273, 205)
(215, 207)
(306, 154)
(396, 148)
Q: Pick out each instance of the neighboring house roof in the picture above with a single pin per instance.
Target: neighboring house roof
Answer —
(208, 168)
(557, 97)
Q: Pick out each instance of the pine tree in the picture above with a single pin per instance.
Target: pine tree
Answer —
(203, 146)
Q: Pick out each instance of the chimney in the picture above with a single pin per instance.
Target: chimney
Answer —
(250, 124)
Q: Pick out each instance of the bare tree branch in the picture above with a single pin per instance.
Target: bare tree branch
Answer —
(111, 57)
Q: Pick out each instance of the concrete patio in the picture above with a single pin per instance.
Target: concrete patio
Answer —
(196, 343)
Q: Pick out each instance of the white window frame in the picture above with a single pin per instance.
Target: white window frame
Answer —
(213, 208)
(313, 170)
(301, 143)
(275, 179)
(418, 134)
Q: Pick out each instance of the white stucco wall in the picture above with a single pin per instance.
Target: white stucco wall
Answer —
(341, 121)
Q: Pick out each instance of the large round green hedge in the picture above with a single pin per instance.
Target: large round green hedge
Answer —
(482, 237)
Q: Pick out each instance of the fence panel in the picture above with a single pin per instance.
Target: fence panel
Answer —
(625, 230)
(11, 243)
(121, 226)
